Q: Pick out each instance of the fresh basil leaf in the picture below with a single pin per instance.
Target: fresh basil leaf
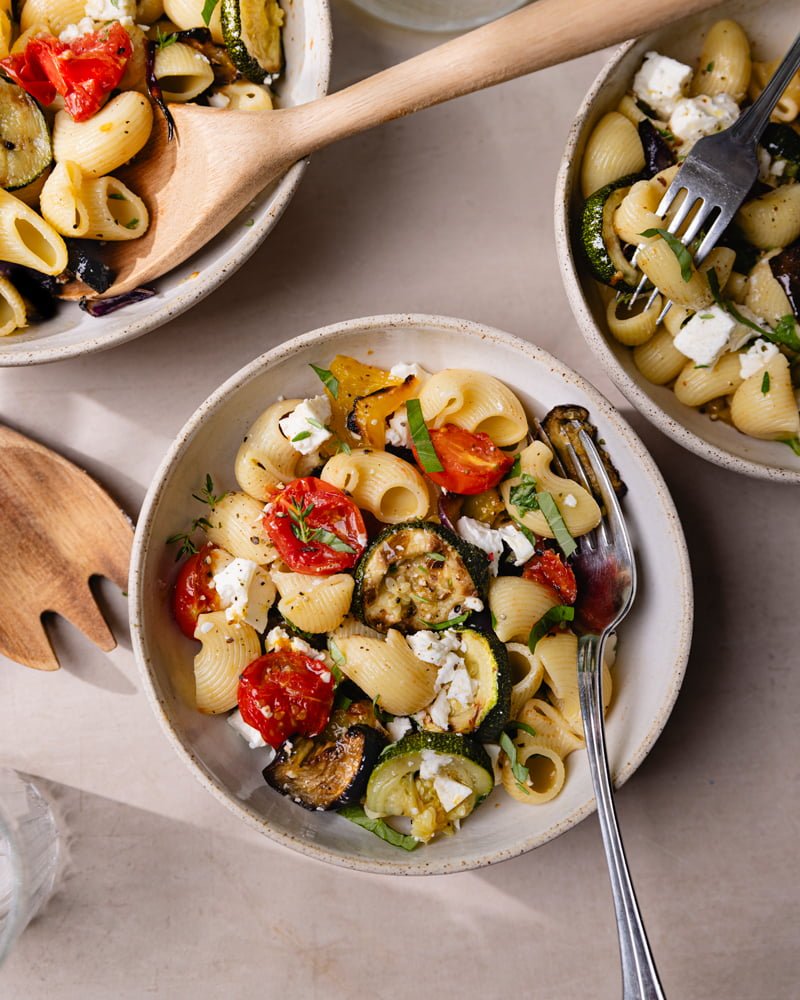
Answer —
(794, 444)
(450, 623)
(357, 815)
(520, 772)
(328, 379)
(785, 332)
(765, 384)
(523, 726)
(713, 284)
(523, 496)
(515, 469)
(426, 453)
(493, 618)
(681, 253)
(338, 660)
(208, 9)
(552, 515)
(560, 613)
(332, 541)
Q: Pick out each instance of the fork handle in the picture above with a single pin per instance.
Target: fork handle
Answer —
(639, 976)
(751, 124)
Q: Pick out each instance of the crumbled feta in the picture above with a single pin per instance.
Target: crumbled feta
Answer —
(304, 428)
(439, 710)
(453, 682)
(472, 604)
(398, 727)
(705, 336)
(398, 433)
(440, 648)
(246, 592)
(491, 540)
(204, 628)
(402, 370)
(218, 100)
(756, 357)
(123, 11)
(661, 82)
(461, 689)
(695, 117)
(249, 733)
(73, 31)
(569, 500)
(494, 750)
(430, 763)
(279, 638)
(449, 791)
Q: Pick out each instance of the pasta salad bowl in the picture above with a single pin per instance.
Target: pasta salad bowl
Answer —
(653, 646)
(306, 45)
(677, 391)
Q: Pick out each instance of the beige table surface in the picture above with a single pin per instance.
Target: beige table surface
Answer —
(169, 895)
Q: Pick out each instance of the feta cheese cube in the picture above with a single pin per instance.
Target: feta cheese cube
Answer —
(248, 733)
(123, 11)
(756, 357)
(439, 710)
(461, 688)
(398, 433)
(706, 335)
(246, 592)
(278, 638)
(73, 31)
(430, 763)
(449, 791)
(695, 117)
(398, 727)
(491, 540)
(661, 82)
(304, 428)
(443, 649)
(402, 370)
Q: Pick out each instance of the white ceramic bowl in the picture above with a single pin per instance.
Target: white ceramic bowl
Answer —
(307, 43)
(654, 641)
(770, 24)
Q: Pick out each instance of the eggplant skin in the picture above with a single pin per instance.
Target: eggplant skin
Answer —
(322, 773)
(562, 426)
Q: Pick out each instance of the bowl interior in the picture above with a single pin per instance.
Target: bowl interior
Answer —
(307, 45)
(769, 25)
(500, 828)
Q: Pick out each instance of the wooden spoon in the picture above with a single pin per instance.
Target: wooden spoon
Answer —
(223, 159)
(57, 528)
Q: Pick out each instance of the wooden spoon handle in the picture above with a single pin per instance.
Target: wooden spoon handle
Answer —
(542, 34)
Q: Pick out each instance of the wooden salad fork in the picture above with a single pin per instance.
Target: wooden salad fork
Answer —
(58, 528)
(222, 159)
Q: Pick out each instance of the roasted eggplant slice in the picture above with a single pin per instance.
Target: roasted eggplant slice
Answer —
(332, 769)
(562, 425)
(657, 154)
(83, 263)
(785, 268)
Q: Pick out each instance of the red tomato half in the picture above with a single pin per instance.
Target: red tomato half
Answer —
(315, 527)
(192, 595)
(285, 694)
(83, 71)
(472, 462)
(548, 568)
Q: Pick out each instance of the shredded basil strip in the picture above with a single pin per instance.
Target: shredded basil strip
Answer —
(765, 384)
(675, 245)
(515, 469)
(523, 496)
(729, 307)
(436, 556)
(328, 379)
(552, 515)
(450, 623)
(523, 726)
(332, 541)
(520, 772)
(357, 815)
(426, 453)
(208, 9)
(785, 332)
(338, 658)
(560, 613)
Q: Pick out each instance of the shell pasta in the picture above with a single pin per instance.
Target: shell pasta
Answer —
(733, 320)
(378, 620)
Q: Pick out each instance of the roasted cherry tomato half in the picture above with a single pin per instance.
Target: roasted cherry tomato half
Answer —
(84, 71)
(193, 593)
(472, 462)
(547, 567)
(285, 694)
(315, 527)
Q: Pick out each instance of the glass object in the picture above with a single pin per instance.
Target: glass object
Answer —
(30, 855)
(438, 15)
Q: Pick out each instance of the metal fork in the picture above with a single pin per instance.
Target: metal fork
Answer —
(719, 172)
(605, 563)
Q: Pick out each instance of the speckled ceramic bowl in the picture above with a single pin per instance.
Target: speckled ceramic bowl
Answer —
(654, 641)
(770, 24)
(307, 43)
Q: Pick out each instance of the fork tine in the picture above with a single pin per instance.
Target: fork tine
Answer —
(584, 481)
(704, 213)
(711, 238)
(613, 517)
(683, 213)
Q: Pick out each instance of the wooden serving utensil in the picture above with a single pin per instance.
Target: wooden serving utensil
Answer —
(222, 159)
(57, 528)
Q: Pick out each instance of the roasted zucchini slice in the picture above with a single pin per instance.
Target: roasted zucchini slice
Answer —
(417, 574)
(435, 779)
(252, 32)
(601, 245)
(25, 150)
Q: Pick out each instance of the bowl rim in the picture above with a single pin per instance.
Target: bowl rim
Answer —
(214, 273)
(597, 340)
(319, 338)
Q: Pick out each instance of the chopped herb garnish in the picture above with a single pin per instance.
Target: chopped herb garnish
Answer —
(301, 436)
(343, 447)
(188, 547)
(208, 9)
(435, 556)
(514, 724)
(702, 366)
(450, 623)
(421, 599)
(523, 496)
(381, 829)
(666, 134)
(710, 67)
(520, 772)
(305, 533)
(515, 469)
(765, 383)
(493, 617)
(250, 222)
(794, 444)
(560, 613)
(164, 41)
(423, 445)
(713, 284)
(328, 379)
(332, 541)
(207, 494)
(552, 515)
(706, 315)
(116, 196)
(133, 224)
(785, 332)
(336, 654)
(315, 423)
(681, 253)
